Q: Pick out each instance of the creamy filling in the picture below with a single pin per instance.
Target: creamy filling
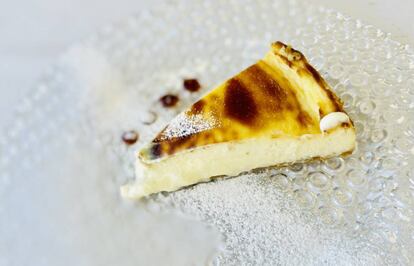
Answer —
(233, 158)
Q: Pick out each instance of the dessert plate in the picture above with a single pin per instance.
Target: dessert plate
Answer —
(62, 157)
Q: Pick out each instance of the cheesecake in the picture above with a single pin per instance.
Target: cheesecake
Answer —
(276, 112)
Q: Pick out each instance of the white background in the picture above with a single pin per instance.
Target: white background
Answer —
(34, 32)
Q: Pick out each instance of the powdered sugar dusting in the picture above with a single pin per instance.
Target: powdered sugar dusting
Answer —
(188, 124)
(263, 225)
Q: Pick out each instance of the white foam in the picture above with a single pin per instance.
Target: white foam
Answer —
(333, 120)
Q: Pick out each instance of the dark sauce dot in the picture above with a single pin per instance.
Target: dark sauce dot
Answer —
(191, 85)
(130, 137)
(169, 100)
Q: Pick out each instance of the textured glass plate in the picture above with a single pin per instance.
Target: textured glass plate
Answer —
(62, 159)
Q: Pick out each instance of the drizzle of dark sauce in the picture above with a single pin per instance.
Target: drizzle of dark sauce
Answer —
(191, 85)
(130, 137)
(169, 100)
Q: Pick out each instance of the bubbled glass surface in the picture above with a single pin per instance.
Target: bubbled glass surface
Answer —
(111, 82)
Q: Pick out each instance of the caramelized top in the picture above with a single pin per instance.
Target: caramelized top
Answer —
(280, 95)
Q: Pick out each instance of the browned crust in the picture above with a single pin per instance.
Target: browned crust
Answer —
(239, 103)
(197, 107)
(302, 65)
(250, 101)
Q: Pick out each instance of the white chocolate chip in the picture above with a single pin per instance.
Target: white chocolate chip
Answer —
(333, 120)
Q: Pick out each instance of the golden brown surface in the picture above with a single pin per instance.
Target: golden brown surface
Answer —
(280, 95)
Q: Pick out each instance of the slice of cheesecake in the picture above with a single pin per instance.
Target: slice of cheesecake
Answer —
(277, 111)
